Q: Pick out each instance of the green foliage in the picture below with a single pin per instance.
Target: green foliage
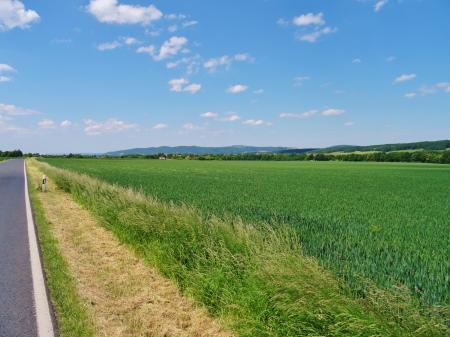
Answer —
(385, 222)
(11, 154)
(253, 277)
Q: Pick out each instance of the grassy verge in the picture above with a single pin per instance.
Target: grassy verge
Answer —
(72, 318)
(255, 279)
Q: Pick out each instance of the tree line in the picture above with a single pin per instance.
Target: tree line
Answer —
(420, 156)
(11, 154)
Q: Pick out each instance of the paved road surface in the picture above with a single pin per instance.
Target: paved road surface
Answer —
(17, 314)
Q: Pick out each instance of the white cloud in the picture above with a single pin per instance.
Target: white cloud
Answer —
(309, 19)
(182, 85)
(5, 79)
(356, 61)
(12, 110)
(172, 28)
(258, 91)
(191, 126)
(379, 4)
(256, 122)
(314, 36)
(123, 40)
(5, 68)
(112, 125)
(404, 78)
(110, 11)
(282, 22)
(169, 48)
(65, 124)
(210, 114)
(160, 126)
(302, 115)
(437, 87)
(225, 61)
(238, 88)
(349, 123)
(231, 117)
(129, 40)
(298, 81)
(13, 14)
(189, 23)
(46, 124)
(332, 112)
(108, 46)
(410, 95)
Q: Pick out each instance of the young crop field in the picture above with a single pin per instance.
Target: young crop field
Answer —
(386, 222)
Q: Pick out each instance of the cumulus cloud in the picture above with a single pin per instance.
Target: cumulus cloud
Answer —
(258, 91)
(12, 110)
(332, 112)
(210, 114)
(315, 35)
(302, 115)
(169, 48)
(182, 85)
(112, 125)
(435, 88)
(309, 19)
(5, 68)
(379, 5)
(231, 117)
(5, 79)
(236, 89)
(159, 126)
(108, 46)
(256, 122)
(404, 78)
(111, 11)
(120, 42)
(410, 95)
(46, 124)
(356, 61)
(13, 14)
(65, 124)
(226, 61)
(350, 123)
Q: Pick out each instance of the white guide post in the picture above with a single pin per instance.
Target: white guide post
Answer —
(44, 183)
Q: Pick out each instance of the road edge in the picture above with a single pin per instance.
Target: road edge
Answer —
(43, 316)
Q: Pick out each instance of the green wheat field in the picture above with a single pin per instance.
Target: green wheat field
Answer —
(385, 222)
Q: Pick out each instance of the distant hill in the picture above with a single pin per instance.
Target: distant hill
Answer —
(234, 149)
(429, 145)
(239, 149)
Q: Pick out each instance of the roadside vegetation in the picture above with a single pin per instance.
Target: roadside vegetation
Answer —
(72, 317)
(255, 278)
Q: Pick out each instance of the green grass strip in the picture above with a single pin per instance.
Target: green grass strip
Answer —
(72, 317)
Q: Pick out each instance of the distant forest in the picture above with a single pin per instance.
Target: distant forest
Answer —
(11, 154)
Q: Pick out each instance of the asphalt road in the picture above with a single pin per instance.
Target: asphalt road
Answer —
(17, 314)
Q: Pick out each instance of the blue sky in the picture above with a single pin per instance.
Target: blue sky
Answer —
(98, 75)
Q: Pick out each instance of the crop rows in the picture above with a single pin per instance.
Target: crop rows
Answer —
(386, 222)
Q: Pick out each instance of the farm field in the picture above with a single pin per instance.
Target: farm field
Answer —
(386, 222)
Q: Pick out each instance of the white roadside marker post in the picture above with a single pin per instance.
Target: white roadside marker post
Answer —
(44, 183)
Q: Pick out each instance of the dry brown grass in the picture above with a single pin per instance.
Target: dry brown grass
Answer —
(124, 296)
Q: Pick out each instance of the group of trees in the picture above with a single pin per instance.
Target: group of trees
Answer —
(419, 156)
(11, 154)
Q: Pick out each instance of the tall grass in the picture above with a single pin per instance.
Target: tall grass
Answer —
(254, 278)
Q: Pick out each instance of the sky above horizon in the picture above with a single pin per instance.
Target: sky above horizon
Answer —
(100, 75)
